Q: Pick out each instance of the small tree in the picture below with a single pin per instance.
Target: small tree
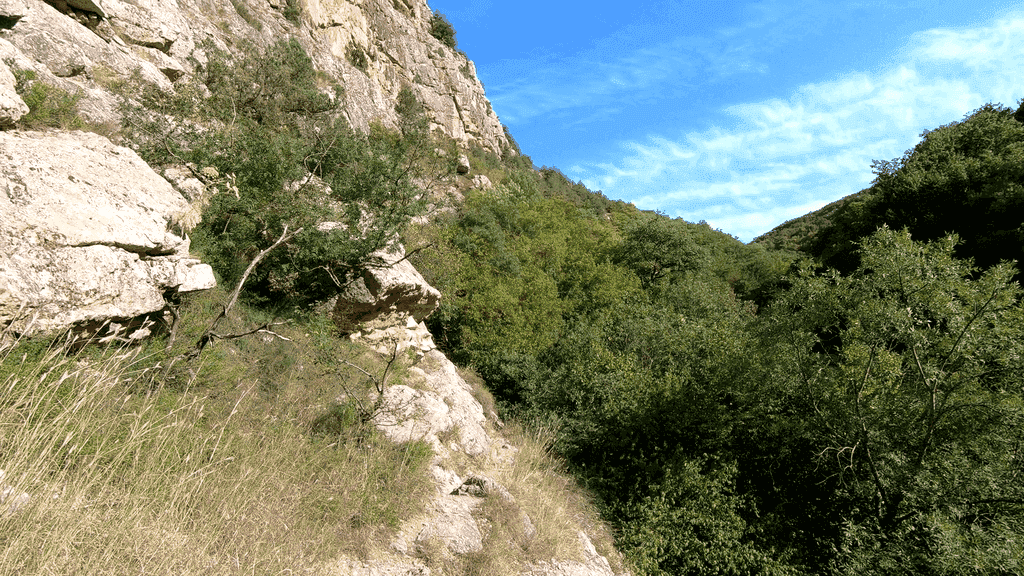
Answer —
(296, 164)
(443, 30)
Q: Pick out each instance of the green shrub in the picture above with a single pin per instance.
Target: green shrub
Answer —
(357, 57)
(293, 12)
(443, 30)
(691, 524)
(246, 15)
(49, 106)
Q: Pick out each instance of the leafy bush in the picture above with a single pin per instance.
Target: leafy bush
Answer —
(242, 10)
(49, 106)
(691, 523)
(293, 12)
(905, 382)
(357, 57)
(443, 30)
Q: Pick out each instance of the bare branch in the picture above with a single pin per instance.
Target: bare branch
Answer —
(210, 336)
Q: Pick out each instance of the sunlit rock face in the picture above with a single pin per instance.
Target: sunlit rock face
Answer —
(84, 234)
(12, 107)
(372, 48)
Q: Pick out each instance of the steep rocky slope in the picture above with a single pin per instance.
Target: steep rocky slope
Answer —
(371, 47)
(91, 237)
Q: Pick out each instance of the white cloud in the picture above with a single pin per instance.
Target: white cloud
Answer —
(780, 158)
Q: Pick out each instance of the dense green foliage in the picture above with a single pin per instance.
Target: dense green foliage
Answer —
(737, 410)
(269, 126)
(906, 378)
(964, 177)
(625, 330)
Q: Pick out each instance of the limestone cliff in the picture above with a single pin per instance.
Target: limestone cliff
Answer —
(84, 241)
(370, 47)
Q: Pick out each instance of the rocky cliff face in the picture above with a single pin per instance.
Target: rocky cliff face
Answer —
(370, 47)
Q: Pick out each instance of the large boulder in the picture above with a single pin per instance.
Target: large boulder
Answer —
(388, 293)
(84, 235)
(12, 107)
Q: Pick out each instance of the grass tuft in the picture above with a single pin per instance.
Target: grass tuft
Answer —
(212, 468)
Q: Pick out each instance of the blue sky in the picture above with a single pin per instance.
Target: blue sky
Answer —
(743, 114)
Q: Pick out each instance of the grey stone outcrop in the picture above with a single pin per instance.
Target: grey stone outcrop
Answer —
(388, 292)
(84, 234)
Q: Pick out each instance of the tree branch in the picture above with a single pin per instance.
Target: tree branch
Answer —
(210, 336)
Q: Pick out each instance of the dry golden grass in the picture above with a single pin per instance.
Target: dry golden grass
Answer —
(243, 462)
(218, 475)
(554, 501)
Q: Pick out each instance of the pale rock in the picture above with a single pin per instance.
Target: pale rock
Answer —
(398, 338)
(482, 182)
(148, 23)
(11, 11)
(93, 6)
(443, 403)
(167, 66)
(446, 480)
(185, 182)
(66, 48)
(12, 107)
(83, 234)
(96, 106)
(463, 164)
(440, 375)
(411, 414)
(453, 525)
(482, 486)
(402, 52)
(385, 294)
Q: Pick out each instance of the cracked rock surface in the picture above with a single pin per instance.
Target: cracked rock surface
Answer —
(84, 234)
(436, 404)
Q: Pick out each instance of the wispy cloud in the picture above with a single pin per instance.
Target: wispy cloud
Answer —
(639, 62)
(777, 159)
(603, 77)
(591, 81)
